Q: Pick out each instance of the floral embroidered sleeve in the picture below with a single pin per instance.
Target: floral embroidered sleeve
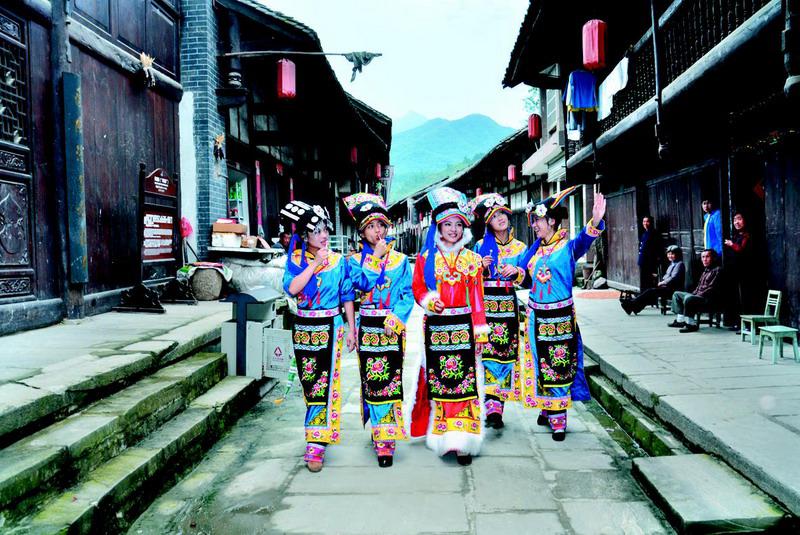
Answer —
(403, 303)
(581, 243)
(475, 289)
(422, 294)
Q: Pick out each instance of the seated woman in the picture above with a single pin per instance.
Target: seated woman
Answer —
(673, 281)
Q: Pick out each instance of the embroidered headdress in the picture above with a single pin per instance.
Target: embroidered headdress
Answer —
(446, 203)
(485, 207)
(366, 208)
(550, 207)
(306, 218)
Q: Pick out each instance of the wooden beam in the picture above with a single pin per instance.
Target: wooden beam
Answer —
(126, 62)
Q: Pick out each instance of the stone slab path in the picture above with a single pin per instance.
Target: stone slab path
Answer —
(254, 481)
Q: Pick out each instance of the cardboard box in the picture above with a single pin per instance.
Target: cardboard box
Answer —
(225, 239)
(234, 228)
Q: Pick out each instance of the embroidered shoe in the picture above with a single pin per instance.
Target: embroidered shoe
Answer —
(314, 457)
(495, 421)
(559, 435)
(385, 451)
(464, 459)
(543, 419)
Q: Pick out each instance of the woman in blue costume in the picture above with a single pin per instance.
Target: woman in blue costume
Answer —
(320, 280)
(552, 367)
(384, 277)
(500, 253)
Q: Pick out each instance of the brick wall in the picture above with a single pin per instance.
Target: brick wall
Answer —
(200, 75)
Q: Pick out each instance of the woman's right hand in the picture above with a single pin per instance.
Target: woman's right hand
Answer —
(438, 306)
(487, 261)
(321, 258)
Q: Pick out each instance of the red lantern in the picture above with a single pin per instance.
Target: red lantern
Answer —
(287, 86)
(478, 192)
(378, 171)
(535, 127)
(594, 44)
(354, 155)
(512, 173)
(279, 168)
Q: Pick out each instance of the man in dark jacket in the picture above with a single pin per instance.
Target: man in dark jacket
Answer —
(650, 251)
(685, 305)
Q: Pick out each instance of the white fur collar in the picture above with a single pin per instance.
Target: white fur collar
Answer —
(465, 239)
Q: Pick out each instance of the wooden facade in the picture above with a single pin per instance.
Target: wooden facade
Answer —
(123, 123)
(303, 145)
(727, 133)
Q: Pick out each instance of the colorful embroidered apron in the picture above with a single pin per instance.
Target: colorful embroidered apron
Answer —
(500, 303)
(380, 359)
(556, 343)
(450, 355)
(313, 336)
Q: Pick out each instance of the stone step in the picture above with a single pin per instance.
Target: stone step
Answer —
(59, 390)
(647, 432)
(64, 452)
(700, 494)
(113, 494)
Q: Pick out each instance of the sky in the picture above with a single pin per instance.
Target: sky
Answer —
(441, 58)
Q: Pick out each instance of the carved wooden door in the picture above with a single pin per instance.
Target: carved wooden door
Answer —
(16, 256)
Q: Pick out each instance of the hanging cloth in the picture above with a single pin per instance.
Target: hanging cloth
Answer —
(616, 80)
(581, 93)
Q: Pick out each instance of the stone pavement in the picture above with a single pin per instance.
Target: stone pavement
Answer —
(254, 481)
(709, 386)
(25, 354)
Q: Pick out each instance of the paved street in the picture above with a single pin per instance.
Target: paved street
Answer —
(253, 481)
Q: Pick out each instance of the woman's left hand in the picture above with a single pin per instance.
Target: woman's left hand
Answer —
(351, 340)
(508, 270)
(599, 208)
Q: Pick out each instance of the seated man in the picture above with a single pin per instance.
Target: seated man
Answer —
(672, 281)
(685, 305)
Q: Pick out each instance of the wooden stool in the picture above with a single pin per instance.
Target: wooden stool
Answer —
(777, 333)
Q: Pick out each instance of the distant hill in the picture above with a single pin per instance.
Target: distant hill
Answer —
(438, 148)
(408, 121)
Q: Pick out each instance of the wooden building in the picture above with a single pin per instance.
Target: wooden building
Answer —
(705, 117)
(317, 144)
(76, 118)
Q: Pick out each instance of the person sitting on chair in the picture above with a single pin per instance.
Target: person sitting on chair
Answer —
(685, 305)
(673, 281)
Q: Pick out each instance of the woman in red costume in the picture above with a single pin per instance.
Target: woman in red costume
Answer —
(448, 284)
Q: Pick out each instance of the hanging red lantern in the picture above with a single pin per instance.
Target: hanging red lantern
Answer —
(279, 168)
(512, 173)
(535, 127)
(354, 155)
(287, 84)
(378, 171)
(478, 191)
(594, 44)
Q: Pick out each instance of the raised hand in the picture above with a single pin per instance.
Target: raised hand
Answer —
(380, 248)
(321, 258)
(599, 208)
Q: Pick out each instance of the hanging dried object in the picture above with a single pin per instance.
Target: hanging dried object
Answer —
(147, 69)
(219, 153)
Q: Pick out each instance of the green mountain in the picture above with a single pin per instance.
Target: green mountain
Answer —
(438, 148)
